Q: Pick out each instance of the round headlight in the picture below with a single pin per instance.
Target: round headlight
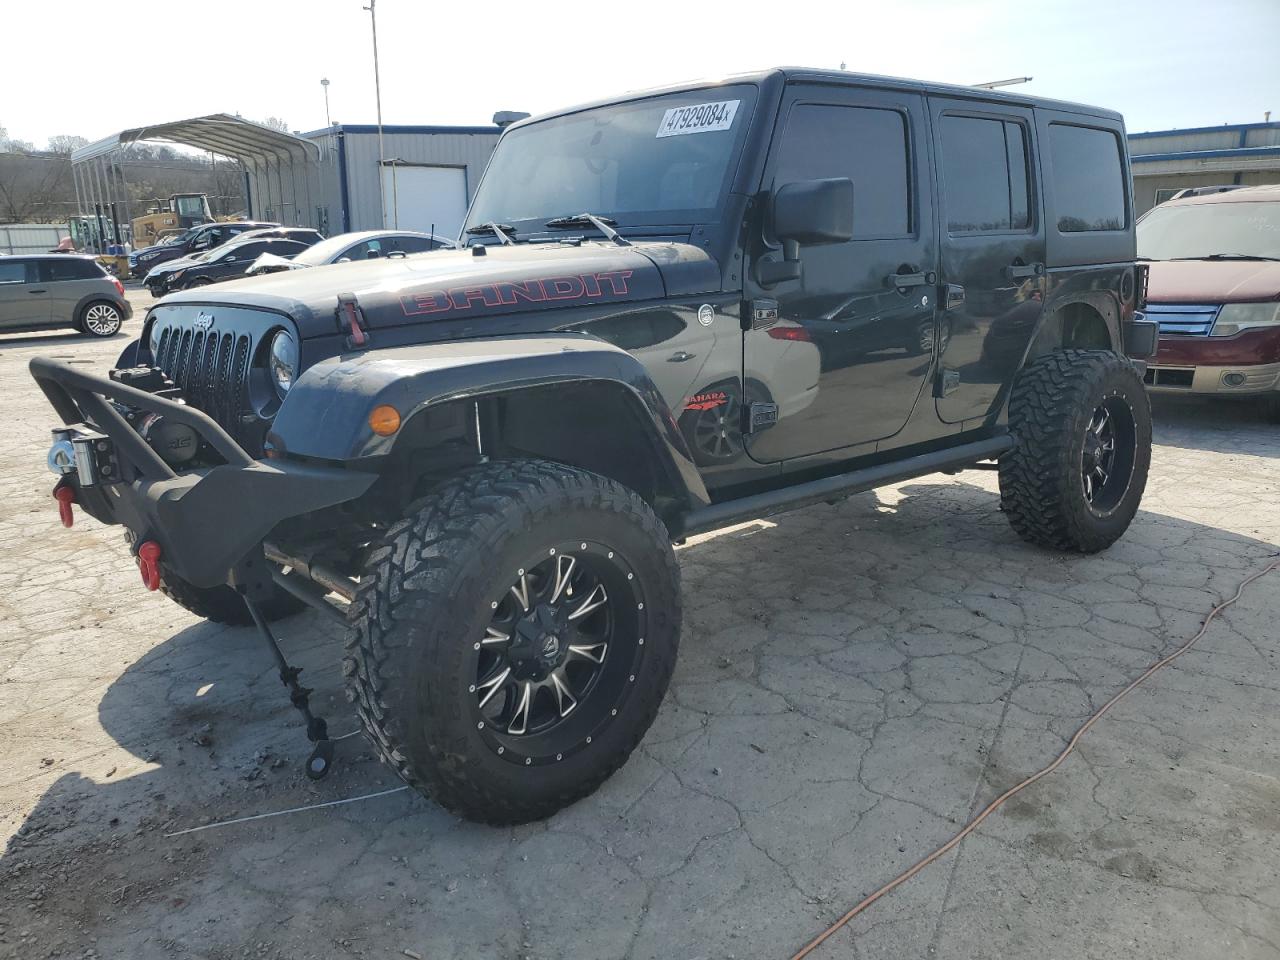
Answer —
(284, 361)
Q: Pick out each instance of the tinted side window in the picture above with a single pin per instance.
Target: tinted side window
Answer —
(865, 144)
(984, 172)
(364, 251)
(244, 251)
(286, 248)
(413, 244)
(72, 269)
(1088, 178)
(12, 272)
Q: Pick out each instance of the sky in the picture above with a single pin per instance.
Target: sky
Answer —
(1165, 64)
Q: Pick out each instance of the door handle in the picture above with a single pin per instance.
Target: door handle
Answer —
(37, 291)
(901, 280)
(1018, 271)
(680, 356)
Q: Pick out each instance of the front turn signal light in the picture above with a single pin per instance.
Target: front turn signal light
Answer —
(384, 420)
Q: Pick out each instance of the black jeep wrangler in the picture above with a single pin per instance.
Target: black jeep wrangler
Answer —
(677, 309)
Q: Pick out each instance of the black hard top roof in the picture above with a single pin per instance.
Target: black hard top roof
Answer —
(843, 78)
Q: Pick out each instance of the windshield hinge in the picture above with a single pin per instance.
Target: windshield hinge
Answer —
(351, 317)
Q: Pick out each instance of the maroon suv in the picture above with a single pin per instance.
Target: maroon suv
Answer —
(1215, 291)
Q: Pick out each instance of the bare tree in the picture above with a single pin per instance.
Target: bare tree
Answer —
(64, 143)
(275, 123)
(35, 189)
(9, 145)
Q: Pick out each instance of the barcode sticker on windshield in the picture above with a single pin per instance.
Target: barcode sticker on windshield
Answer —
(698, 118)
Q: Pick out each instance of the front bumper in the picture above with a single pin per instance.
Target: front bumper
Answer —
(205, 521)
(1239, 380)
(1245, 364)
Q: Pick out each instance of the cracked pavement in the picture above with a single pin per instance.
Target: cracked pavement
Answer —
(855, 682)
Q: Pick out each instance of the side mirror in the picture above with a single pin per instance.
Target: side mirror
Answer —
(807, 212)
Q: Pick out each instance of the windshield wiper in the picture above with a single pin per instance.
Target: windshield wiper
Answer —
(492, 229)
(1232, 256)
(603, 224)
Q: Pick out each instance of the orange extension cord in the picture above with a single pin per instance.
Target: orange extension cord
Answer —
(999, 801)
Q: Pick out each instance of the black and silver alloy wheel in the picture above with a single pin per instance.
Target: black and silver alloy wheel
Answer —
(559, 653)
(513, 637)
(1081, 423)
(101, 320)
(1106, 458)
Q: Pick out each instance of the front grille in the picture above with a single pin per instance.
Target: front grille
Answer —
(211, 368)
(1183, 319)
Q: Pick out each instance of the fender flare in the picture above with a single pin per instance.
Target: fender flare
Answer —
(325, 414)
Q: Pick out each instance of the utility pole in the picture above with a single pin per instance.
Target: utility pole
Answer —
(324, 82)
(377, 92)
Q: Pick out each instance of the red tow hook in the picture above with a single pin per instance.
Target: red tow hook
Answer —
(149, 564)
(66, 496)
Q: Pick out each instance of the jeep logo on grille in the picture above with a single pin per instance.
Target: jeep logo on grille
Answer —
(203, 321)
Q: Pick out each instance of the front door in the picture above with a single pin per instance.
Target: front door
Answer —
(24, 301)
(853, 345)
(993, 250)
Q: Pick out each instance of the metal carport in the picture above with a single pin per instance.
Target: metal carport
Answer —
(281, 170)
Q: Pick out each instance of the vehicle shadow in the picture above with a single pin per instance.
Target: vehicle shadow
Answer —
(1214, 424)
(839, 665)
(55, 338)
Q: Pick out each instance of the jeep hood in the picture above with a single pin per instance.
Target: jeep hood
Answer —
(1213, 281)
(459, 285)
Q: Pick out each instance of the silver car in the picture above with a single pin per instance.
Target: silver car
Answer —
(60, 290)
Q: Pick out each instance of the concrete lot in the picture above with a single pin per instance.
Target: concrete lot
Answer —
(854, 682)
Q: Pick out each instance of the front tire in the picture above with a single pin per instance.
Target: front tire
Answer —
(1270, 408)
(221, 604)
(514, 636)
(1082, 425)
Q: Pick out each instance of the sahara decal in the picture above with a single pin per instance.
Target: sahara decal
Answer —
(707, 401)
(611, 284)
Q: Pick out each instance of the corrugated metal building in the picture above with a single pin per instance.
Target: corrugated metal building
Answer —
(428, 175)
(1166, 161)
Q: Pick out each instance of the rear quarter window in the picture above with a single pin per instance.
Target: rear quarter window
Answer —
(1088, 178)
(73, 269)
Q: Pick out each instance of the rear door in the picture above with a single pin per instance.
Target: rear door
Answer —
(852, 347)
(993, 250)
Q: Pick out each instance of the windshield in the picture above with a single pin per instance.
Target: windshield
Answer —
(1205, 229)
(663, 160)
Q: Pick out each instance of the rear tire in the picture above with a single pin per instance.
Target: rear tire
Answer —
(1082, 425)
(483, 668)
(100, 319)
(221, 604)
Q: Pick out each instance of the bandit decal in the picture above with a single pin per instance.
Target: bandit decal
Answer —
(611, 284)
